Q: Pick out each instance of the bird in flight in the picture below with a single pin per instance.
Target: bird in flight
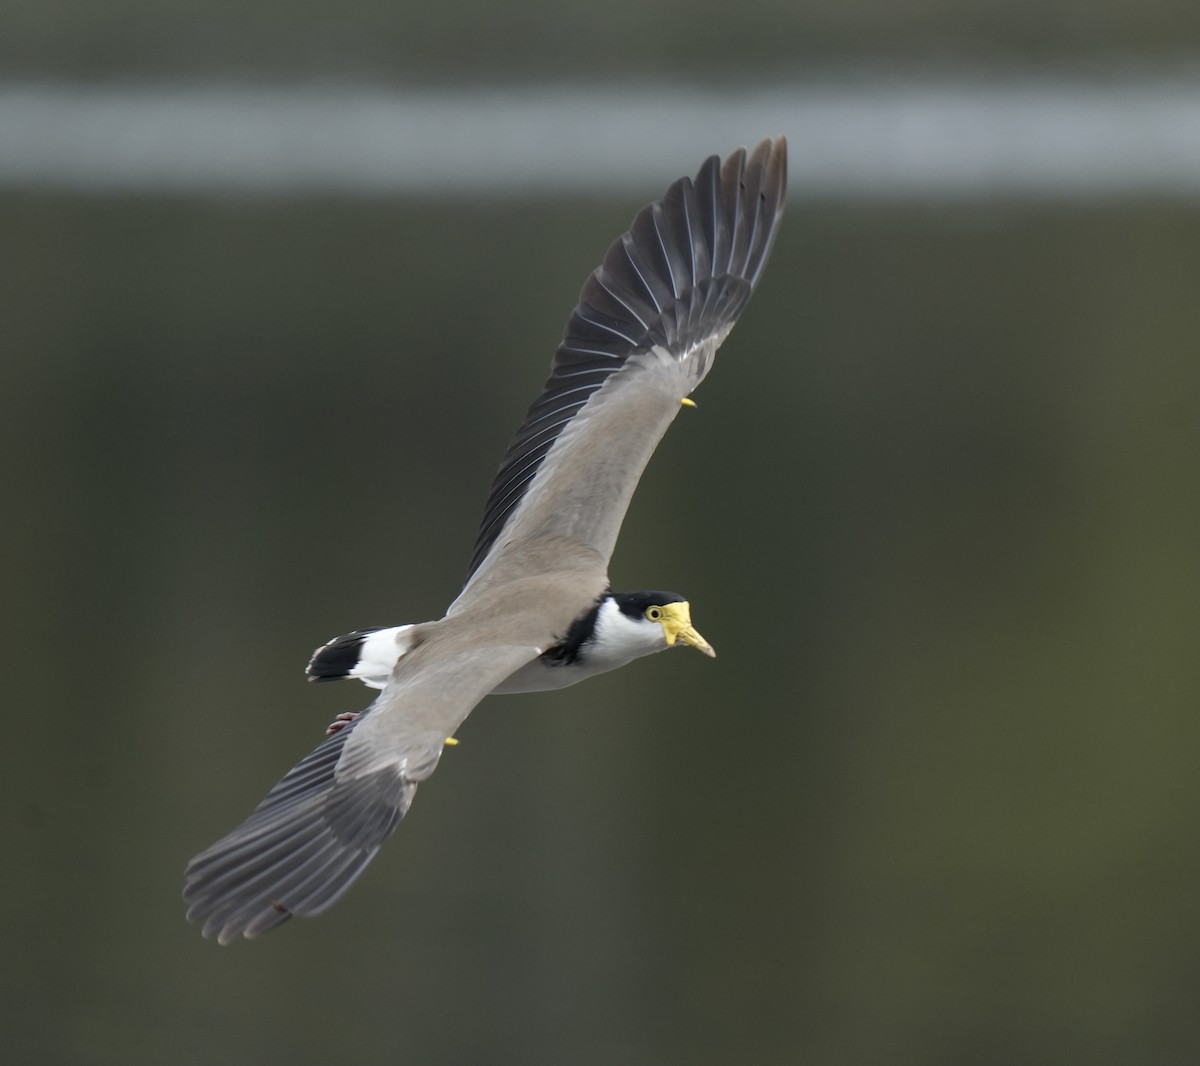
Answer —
(537, 611)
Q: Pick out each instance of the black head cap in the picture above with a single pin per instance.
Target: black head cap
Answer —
(634, 604)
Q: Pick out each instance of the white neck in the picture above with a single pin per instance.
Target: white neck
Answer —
(620, 639)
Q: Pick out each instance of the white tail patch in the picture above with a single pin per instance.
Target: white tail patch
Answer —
(366, 654)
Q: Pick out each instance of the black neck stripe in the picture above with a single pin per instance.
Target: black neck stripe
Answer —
(581, 633)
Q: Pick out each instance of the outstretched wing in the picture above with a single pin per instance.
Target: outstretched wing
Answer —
(642, 337)
(317, 829)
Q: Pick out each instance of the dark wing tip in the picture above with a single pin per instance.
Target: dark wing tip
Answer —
(707, 233)
(682, 272)
(299, 850)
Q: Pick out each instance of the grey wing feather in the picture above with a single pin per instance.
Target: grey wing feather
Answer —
(319, 827)
(299, 850)
(682, 274)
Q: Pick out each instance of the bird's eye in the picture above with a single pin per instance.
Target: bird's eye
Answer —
(654, 614)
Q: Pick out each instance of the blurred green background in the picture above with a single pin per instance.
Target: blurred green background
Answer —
(935, 802)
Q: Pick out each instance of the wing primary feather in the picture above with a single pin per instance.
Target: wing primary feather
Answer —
(721, 220)
(244, 867)
(733, 188)
(772, 188)
(628, 252)
(580, 350)
(592, 321)
(671, 267)
(627, 304)
(681, 195)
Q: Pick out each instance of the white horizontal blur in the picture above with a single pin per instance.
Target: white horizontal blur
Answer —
(891, 139)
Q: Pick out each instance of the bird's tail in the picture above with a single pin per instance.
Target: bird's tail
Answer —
(367, 654)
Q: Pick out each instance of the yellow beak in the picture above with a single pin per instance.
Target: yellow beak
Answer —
(677, 625)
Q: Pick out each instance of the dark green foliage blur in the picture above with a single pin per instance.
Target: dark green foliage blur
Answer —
(935, 802)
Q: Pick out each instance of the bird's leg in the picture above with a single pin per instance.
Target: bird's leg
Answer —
(341, 721)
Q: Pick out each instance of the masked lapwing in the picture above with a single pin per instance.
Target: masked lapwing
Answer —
(537, 611)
